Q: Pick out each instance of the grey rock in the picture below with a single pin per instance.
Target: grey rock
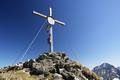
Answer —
(57, 76)
(43, 67)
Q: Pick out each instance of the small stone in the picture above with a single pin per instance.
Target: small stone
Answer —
(57, 76)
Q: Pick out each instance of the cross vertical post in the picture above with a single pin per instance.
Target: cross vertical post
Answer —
(51, 39)
(51, 33)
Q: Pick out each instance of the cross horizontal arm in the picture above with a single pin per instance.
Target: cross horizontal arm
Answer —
(59, 22)
(39, 14)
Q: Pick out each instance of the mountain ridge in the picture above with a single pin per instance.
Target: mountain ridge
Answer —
(107, 71)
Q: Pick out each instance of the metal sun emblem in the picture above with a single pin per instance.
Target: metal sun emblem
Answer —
(51, 20)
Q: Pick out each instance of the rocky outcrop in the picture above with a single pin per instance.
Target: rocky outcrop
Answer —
(57, 66)
(118, 68)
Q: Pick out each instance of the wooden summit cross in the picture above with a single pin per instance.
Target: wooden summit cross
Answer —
(51, 22)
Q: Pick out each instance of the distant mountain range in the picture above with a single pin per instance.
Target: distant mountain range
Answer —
(107, 72)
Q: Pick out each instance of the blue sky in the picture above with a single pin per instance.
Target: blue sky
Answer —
(91, 34)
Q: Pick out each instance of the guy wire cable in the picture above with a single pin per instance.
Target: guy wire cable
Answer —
(28, 48)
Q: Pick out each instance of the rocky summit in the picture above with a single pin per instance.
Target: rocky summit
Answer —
(48, 66)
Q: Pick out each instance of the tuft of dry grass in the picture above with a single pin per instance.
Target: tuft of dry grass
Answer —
(17, 75)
